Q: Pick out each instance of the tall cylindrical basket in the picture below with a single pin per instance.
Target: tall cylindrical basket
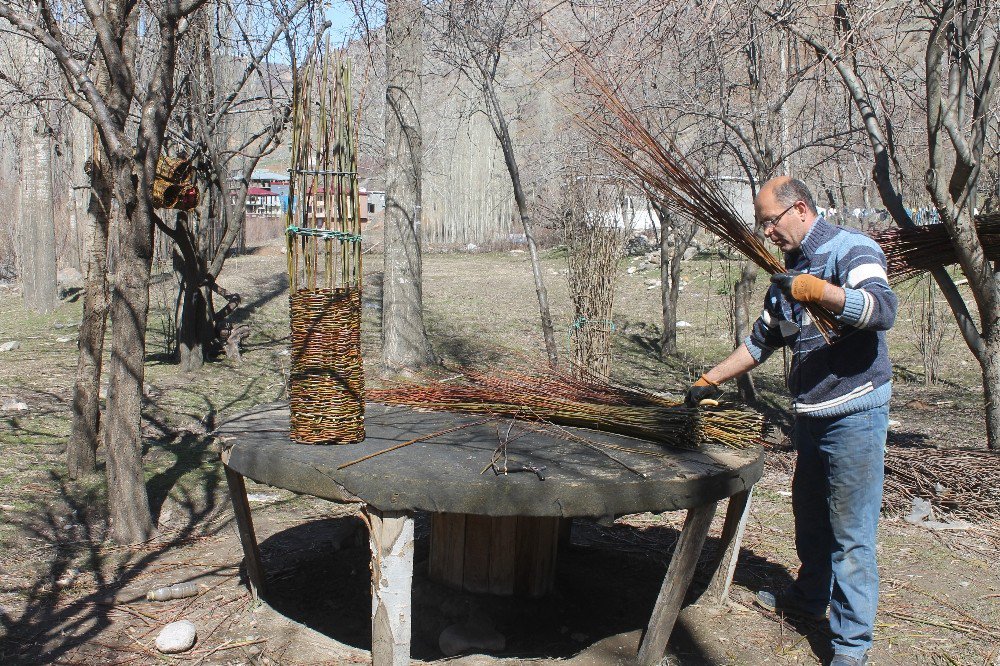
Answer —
(326, 382)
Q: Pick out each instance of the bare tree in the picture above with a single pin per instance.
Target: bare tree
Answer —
(132, 152)
(81, 449)
(482, 34)
(222, 94)
(404, 337)
(675, 237)
(961, 63)
(37, 241)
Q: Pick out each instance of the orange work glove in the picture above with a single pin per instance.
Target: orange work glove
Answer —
(803, 287)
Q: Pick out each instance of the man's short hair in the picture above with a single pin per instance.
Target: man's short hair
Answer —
(793, 190)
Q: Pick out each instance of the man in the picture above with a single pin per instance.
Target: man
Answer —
(840, 391)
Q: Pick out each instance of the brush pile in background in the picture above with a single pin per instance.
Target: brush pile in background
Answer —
(910, 252)
(564, 400)
(959, 482)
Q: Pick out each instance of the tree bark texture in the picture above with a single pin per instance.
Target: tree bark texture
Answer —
(81, 450)
(405, 343)
(131, 521)
(37, 230)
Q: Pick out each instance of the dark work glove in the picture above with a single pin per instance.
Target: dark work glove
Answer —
(784, 281)
(700, 390)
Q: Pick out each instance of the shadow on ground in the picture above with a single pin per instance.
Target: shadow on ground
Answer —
(607, 580)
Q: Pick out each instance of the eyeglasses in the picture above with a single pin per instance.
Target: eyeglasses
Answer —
(773, 221)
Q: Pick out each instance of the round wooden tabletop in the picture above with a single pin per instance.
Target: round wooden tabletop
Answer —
(443, 473)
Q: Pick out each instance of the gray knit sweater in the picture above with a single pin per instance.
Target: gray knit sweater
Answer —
(852, 372)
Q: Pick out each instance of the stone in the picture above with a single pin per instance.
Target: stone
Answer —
(470, 637)
(176, 637)
(67, 579)
(64, 339)
(12, 405)
(637, 245)
(690, 253)
(10, 346)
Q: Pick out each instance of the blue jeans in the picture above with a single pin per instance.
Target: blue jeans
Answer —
(837, 497)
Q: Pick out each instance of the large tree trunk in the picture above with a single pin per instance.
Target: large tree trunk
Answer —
(37, 231)
(405, 343)
(195, 327)
(131, 521)
(81, 450)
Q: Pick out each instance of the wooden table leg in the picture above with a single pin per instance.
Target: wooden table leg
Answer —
(675, 583)
(391, 540)
(729, 546)
(244, 523)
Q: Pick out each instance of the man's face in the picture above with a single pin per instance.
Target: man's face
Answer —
(784, 225)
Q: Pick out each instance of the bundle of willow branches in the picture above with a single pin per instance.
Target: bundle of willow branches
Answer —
(910, 252)
(661, 167)
(586, 403)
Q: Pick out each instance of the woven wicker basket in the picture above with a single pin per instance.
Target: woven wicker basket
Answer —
(326, 385)
(174, 185)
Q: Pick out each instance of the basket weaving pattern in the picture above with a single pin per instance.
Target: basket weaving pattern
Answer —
(327, 379)
(174, 185)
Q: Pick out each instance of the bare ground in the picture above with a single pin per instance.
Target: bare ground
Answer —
(69, 596)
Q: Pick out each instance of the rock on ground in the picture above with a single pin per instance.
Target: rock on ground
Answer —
(10, 346)
(176, 637)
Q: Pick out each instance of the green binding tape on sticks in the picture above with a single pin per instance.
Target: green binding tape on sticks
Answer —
(323, 233)
(580, 323)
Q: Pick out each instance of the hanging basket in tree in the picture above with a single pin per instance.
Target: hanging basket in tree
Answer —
(174, 185)
(326, 385)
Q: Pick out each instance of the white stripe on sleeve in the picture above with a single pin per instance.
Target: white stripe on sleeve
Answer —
(859, 274)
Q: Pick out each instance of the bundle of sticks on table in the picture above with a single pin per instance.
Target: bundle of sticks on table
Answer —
(559, 398)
